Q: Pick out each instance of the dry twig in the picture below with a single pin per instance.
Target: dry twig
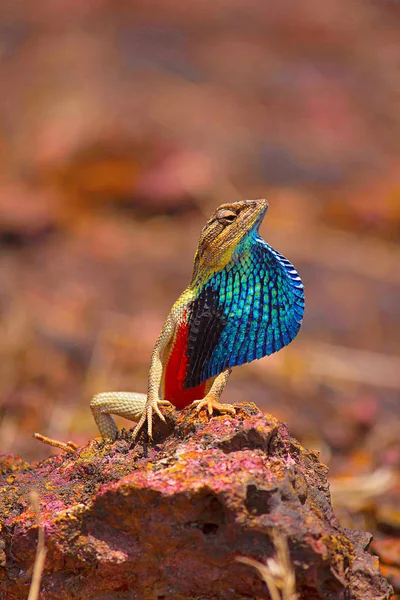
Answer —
(65, 447)
(40, 550)
(278, 572)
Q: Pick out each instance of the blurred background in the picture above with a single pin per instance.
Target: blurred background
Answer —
(122, 126)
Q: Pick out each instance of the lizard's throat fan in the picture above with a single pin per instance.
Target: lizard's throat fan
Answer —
(251, 308)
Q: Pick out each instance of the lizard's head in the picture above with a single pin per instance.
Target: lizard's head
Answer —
(228, 227)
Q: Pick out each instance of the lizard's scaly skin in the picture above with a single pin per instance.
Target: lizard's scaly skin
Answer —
(245, 301)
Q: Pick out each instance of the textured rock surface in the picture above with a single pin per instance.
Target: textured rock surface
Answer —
(168, 520)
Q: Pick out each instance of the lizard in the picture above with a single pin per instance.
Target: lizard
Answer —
(244, 301)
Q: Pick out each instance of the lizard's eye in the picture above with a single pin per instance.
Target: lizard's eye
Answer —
(226, 216)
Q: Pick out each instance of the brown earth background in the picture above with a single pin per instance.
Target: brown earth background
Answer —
(122, 126)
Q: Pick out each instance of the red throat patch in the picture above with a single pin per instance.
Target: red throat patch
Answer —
(175, 372)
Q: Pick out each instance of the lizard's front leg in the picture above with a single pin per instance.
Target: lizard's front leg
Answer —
(211, 399)
(133, 406)
(157, 366)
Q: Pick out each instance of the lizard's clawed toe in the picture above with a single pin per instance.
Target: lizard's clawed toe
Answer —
(212, 404)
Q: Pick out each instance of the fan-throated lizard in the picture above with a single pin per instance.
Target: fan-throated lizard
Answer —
(244, 301)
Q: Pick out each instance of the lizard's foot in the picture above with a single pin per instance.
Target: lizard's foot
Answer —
(211, 403)
(132, 406)
(147, 415)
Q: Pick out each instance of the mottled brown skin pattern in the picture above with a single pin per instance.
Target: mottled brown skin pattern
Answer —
(218, 240)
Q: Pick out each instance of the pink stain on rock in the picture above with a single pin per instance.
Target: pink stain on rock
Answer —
(168, 520)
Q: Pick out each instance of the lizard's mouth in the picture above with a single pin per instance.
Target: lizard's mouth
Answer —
(255, 211)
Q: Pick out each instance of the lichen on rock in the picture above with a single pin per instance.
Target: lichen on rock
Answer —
(169, 519)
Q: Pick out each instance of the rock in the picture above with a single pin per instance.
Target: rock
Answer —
(168, 520)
